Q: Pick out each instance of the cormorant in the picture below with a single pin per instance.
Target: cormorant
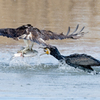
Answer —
(81, 61)
(30, 33)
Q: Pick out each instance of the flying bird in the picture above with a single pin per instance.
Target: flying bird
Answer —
(30, 33)
(81, 61)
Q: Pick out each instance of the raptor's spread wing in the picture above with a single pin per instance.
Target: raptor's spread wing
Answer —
(51, 35)
(39, 36)
(28, 32)
(14, 32)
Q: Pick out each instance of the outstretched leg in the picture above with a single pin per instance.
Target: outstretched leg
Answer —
(26, 48)
(31, 45)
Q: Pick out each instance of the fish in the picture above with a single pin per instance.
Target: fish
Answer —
(28, 53)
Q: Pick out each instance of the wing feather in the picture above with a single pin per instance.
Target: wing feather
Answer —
(34, 34)
(7, 32)
(28, 32)
(14, 32)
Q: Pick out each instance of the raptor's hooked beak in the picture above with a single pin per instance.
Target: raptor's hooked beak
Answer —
(46, 50)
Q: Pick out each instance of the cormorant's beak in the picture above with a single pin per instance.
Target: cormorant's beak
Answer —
(46, 50)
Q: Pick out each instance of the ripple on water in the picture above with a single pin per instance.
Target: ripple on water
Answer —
(37, 64)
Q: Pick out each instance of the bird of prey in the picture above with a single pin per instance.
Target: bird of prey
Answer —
(30, 33)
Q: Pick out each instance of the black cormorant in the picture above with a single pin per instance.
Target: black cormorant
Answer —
(81, 61)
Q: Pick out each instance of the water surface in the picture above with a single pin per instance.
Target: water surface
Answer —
(42, 77)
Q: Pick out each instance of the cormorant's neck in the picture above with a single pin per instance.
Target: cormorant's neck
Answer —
(58, 56)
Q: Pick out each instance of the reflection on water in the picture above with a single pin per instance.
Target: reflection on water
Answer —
(46, 79)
